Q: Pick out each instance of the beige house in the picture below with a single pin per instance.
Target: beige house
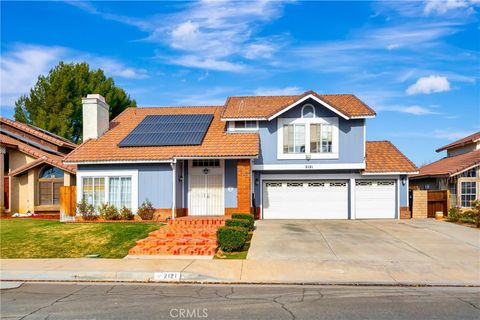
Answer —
(31, 169)
(458, 172)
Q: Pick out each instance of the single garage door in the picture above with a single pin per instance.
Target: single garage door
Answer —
(375, 199)
(305, 199)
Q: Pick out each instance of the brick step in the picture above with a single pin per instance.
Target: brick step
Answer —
(206, 250)
(197, 222)
(152, 242)
(170, 235)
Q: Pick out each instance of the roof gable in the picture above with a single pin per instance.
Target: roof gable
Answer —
(450, 166)
(347, 106)
(462, 142)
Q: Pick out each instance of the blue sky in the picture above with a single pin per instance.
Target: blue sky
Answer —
(416, 63)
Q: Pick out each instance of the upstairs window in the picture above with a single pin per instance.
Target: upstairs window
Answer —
(308, 111)
(243, 125)
(294, 138)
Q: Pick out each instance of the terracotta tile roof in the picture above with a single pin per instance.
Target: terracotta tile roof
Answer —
(217, 143)
(469, 139)
(383, 157)
(52, 159)
(449, 166)
(263, 107)
(42, 134)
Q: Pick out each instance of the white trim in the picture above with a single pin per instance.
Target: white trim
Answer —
(332, 121)
(398, 197)
(310, 166)
(353, 206)
(311, 106)
(108, 174)
(309, 96)
(243, 119)
(364, 140)
(213, 157)
(174, 180)
(388, 173)
(117, 161)
(362, 117)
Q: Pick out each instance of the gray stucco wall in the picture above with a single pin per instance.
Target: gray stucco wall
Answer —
(351, 138)
(230, 183)
(154, 181)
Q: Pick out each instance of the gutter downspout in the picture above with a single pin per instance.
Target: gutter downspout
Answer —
(174, 179)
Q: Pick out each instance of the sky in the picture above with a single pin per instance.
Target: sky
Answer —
(416, 63)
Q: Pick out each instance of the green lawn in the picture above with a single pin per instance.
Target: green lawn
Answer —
(53, 239)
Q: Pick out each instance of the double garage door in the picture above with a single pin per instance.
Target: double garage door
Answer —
(327, 199)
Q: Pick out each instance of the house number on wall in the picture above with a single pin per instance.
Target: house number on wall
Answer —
(308, 166)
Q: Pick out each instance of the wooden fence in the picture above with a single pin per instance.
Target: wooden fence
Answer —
(68, 200)
(438, 200)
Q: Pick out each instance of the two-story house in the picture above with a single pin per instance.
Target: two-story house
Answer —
(288, 157)
(458, 172)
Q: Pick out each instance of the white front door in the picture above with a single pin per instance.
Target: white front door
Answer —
(206, 195)
(316, 199)
(375, 199)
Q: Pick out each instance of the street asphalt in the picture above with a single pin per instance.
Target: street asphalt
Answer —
(163, 301)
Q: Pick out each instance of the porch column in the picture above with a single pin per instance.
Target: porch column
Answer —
(244, 182)
(2, 179)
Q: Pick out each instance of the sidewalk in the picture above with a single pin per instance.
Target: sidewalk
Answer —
(241, 271)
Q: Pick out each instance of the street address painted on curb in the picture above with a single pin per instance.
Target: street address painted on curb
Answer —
(166, 276)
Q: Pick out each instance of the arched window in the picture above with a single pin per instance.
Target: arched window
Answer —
(49, 183)
(308, 111)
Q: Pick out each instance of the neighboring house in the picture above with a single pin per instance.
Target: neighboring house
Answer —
(458, 172)
(32, 170)
(290, 157)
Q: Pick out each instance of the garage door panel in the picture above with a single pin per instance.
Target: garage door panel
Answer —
(305, 200)
(375, 199)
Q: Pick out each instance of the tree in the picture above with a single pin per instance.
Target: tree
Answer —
(55, 102)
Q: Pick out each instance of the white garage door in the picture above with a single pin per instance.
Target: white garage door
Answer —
(375, 199)
(305, 200)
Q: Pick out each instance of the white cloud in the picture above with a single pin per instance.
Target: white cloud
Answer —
(450, 134)
(413, 109)
(430, 84)
(441, 7)
(208, 64)
(208, 34)
(21, 66)
(287, 91)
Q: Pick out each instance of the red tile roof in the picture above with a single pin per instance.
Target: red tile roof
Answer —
(40, 133)
(52, 159)
(449, 166)
(464, 141)
(384, 157)
(217, 142)
(264, 107)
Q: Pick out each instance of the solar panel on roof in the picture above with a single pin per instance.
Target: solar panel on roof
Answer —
(169, 130)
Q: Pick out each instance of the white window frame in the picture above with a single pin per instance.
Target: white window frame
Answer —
(231, 126)
(462, 194)
(310, 106)
(333, 121)
(107, 174)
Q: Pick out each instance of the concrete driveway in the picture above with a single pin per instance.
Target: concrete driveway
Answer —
(423, 241)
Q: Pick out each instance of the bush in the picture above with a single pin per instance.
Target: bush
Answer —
(244, 223)
(146, 210)
(86, 210)
(108, 212)
(231, 238)
(245, 216)
(126, 214)
(454, 214)
(476, 208)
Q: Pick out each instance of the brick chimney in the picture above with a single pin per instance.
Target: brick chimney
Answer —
(95, 116)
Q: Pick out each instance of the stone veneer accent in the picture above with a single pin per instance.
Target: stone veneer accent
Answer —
(420, 204)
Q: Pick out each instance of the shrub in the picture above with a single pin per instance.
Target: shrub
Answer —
(245, 216)
(476, 208)
(86, 210)
(146, 210)
(454, 214)
(126, 214)
(231, 238)
(108, 212)
(244, 223)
